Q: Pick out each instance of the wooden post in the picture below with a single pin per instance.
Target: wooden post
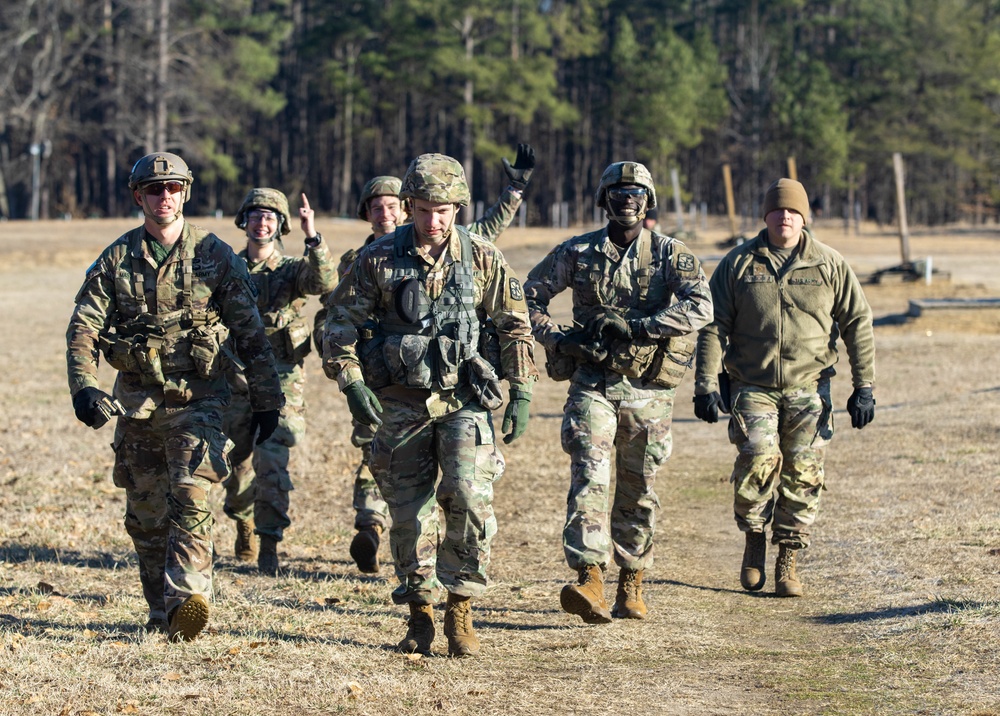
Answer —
(727, 179)
(849, 216)
(793, 172)
(904, 232)
(678, 209)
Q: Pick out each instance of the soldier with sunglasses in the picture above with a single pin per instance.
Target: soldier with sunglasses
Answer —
(639, 298)
(159, 303)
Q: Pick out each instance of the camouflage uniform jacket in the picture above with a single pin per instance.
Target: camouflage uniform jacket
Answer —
(201, 283)
(282, 284)
(677, 300)
(779, 329)
(367, 293)
(493, 223)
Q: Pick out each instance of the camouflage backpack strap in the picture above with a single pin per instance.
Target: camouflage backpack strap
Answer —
(645, 271)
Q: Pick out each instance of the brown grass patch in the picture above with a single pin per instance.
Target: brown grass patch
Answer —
(901, 614)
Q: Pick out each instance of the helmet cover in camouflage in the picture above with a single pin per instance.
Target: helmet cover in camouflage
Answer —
(377, 186)
(626, 173)
(161, 166)
(437, 178)
(265, 198)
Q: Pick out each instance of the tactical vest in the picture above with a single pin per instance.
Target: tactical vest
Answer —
(431, 350)
(155, 345)
(661, 362)
(286, 329)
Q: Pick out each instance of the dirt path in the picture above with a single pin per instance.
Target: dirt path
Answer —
(901, 614)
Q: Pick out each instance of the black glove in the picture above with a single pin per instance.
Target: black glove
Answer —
(85, 405)
(363, 404)
(515, 418)
(580, 346)
(861, 406)
(611, 326)
(524, 164)
(707, 407)
(264, 421)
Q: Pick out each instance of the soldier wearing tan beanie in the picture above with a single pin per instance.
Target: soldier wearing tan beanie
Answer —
(781, 302)
(786, 194)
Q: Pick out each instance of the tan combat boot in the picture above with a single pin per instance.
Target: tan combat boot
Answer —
(267, 560)
(420, 630)
(364, 549)
(187, 620)
(246, 541)
(462, 639)
(586, 597)
(752, 575)
(786, 583)
(628, 600)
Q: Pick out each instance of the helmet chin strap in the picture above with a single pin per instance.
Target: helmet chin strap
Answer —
(161, 220)
(627, 221)
(262, 240)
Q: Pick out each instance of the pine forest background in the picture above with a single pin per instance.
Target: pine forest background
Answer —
(320, 96)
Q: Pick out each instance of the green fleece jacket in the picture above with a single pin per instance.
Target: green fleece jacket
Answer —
(779, 329)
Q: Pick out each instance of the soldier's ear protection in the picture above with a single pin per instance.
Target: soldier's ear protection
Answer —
(406, 298)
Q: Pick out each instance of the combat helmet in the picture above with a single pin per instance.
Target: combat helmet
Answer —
(265, 198)
(161, 166)
(626, 173)
(377, 186)
(436, 177)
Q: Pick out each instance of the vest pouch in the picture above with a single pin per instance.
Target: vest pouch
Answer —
(631, 358)
(484, 383)
(118, 353)
(671, 362)
(559, 366)
(406, 357)
(297, 343)
(148, 364)
(373, 365)
(205, 351)
(449, 351)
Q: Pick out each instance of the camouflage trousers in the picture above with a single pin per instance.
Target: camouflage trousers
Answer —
(409, 451)
(261, 478)
(778, 476)
(369, 507)
(167, 465)
(639, 431)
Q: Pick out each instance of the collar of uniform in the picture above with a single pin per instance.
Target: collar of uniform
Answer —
(616, 253)
(271, 262)
(184, 247)
(452, 252)
(808, 252)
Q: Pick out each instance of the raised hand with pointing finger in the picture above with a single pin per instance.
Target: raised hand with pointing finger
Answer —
(308, 218)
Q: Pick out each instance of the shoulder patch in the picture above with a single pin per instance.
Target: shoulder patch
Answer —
(516, 293)
(686, 262)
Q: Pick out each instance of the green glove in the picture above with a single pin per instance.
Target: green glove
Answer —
(363, 404)
(515, 418)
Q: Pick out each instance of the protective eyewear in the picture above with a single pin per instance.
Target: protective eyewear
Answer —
(621, 193)
(172, 187)
(262, 216)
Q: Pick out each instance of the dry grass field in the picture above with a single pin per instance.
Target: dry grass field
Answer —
(902, 606)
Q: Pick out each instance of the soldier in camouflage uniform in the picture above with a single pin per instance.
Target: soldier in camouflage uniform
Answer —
(408, 322)
(160, 303)
(381, 206)
(781, 300)
(258, 490)
(638, 299)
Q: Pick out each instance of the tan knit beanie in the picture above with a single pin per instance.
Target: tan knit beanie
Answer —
(786, 194)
